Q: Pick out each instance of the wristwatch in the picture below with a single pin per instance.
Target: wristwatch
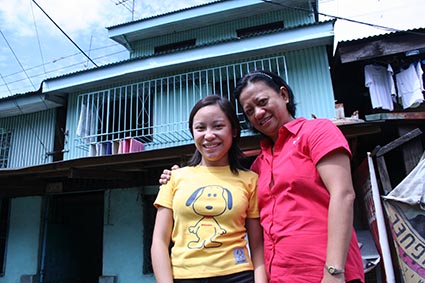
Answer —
(333, 270)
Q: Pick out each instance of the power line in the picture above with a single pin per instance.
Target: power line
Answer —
(342, 18)
(26, 118)
(16, 57)
(65, 34)
(38, 38)
(122, 2)
(55, 70)
(5, 84)
(67, 57)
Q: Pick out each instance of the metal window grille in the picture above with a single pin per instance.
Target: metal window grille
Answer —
(156, 111)
(5, 138)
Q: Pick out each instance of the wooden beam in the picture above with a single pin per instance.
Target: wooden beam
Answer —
(380, 46)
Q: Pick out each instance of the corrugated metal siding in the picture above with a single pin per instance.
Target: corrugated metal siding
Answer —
(306, 71)
(160, 107)
(225, 30)
(309, 78)
(32, 138)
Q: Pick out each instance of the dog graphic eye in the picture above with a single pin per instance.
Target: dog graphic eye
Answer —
(212, 195)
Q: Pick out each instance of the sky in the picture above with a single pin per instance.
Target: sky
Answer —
(382, 16)
(33, 48)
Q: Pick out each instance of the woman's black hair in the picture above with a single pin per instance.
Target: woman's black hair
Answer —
(235, 153)
(272, 80)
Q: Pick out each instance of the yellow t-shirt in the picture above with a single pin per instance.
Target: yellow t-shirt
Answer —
(210, 206)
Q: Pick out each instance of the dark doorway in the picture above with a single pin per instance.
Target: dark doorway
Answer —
(72, 242)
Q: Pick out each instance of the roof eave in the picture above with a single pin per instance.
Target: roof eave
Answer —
(303, 37)
(28, 103)
(198, 16)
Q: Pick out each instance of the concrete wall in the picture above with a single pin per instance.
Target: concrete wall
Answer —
(22, 251)
(123, 236)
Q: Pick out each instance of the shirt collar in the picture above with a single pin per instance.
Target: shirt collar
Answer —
(293, 127)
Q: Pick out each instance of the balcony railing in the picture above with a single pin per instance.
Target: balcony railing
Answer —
(154, 113)
(5, 138)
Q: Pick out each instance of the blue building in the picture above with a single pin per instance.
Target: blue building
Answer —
(81, 157)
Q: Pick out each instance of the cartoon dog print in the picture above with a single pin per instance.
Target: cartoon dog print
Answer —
(208, 202)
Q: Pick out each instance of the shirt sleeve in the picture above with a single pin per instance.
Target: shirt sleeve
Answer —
(165, 195)
(325, 137)
(368, 76)
(253, 200)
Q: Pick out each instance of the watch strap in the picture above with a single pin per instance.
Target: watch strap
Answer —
(332, 270)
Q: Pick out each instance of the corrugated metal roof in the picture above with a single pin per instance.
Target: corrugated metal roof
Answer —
(191, 48)
(417, 31)
(164, 14)
(202, 15)
(410, 42)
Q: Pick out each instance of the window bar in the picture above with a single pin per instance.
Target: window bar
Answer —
(187, 93)
(181, 97)
(92, 110)
(125, 110)
(150, 100)
(285, 69)
(207, 88)
(130, 109)
(200, 85)
(169, 106)
(98, 116)
(137, 108)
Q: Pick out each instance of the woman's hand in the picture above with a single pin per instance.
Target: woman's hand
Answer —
(166, 174)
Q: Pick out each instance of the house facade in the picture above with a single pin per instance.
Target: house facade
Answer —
(81, 157)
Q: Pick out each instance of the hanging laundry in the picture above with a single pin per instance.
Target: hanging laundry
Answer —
(381, 86)
(410, 85)
(131, 145)
(86, 123)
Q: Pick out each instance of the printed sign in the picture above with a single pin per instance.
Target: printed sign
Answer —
(408, 232)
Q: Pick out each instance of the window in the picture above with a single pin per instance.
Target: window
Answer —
(155, 111)
(5, 138)
(174, 46)
(260, 28)
(114, 114)
(4, 225)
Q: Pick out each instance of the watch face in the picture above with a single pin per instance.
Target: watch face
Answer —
(333, 271)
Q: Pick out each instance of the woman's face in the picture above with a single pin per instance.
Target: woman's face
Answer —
(213, 135)
(265, 108)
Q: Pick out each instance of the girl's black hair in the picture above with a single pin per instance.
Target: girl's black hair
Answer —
(272, 80)
(235, 153)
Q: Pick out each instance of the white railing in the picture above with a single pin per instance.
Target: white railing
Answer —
(154, 113)
(5, 139)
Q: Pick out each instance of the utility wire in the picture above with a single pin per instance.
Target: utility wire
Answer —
(26, 118)
(14, 54)
(59, 69)
(38, 38)
(82, 51)
(343, 18)
(5, 84)
(67, 57)
(19, 62)
(266, 1)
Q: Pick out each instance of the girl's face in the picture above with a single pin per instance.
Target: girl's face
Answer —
(213, 135)
(265, 108)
